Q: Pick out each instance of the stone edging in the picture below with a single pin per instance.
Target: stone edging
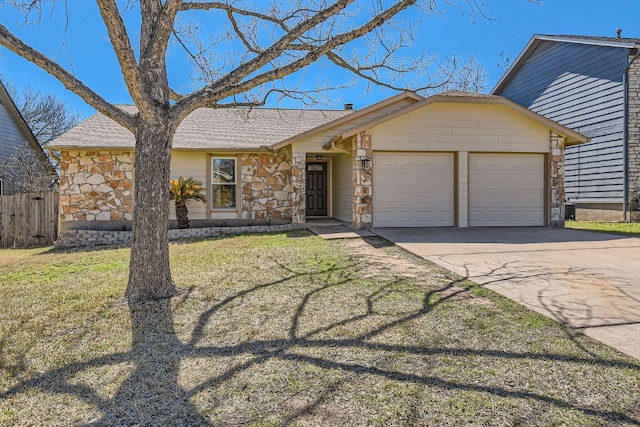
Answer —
(89, 238)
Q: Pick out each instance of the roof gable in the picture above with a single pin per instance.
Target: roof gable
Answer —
(572, 137)
(12, 109)
(540, 42)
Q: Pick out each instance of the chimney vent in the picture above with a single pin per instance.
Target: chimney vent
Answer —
(348, 106)
(619, 33)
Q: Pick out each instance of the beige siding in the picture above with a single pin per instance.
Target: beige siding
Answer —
(193, 164)
(462, 127)
(342, 185)
(314, 143)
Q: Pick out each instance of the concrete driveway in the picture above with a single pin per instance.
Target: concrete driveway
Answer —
(585, 279)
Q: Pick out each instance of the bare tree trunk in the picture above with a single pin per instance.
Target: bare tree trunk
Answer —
(149, 273)
(182, 215)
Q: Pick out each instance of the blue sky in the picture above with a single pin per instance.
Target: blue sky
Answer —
(85, 48)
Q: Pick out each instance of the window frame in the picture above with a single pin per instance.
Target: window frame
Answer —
(212, 184)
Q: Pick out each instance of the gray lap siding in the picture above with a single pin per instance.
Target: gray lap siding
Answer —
(580, 86)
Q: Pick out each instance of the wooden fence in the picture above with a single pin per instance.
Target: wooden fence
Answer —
(28, 220)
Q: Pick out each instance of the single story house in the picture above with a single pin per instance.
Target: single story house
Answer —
(453, 159)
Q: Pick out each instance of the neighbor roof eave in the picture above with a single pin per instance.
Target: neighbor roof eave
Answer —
(535, 41)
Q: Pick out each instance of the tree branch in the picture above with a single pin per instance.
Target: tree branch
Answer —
(122, 47)
(231, 9)
(222, 89)
(8, 40)
(210, 92)
(240, 34)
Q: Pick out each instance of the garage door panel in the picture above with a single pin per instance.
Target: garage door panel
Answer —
(521, 181)
(506, 190)
(413, 189)
(507, 201)
(511, 218)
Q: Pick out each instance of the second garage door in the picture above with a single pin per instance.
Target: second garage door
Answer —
(413, 189)
(506, 190)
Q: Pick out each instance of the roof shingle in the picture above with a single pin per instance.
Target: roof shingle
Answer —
(206, 128)
(595, 38)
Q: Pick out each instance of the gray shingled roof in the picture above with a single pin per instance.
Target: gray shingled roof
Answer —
(206, 128)
(623, 42)
(595, 38)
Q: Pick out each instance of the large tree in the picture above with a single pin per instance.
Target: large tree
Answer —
(254, 49)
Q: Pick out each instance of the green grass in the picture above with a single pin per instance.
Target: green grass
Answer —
(289, 329)
(608, 227)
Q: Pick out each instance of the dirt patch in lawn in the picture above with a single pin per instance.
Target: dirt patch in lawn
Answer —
(383, 256)
(289, 329)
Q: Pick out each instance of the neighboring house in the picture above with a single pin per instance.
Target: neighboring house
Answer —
(579, 82)
(16, 135)
(454, 159)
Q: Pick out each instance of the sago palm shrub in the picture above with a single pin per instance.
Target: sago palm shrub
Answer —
(182, 190)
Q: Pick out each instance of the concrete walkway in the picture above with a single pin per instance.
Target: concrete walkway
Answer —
(588, 280)
(338, 232)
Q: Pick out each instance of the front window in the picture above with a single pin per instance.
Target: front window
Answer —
(223, 183)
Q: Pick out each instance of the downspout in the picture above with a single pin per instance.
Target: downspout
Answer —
(625, 137)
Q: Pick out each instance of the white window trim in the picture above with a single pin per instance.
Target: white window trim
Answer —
(234, 183)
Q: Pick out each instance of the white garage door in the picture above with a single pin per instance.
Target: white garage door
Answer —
(506, 190)
(412, 189)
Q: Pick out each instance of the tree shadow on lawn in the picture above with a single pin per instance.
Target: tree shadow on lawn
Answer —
(152, 395)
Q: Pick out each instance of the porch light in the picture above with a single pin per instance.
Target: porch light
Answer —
(365, 163)
(319, 157)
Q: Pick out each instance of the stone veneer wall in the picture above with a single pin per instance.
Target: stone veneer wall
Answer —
(96, 186)
(556, 181)
(266, 185)
(634, 130)
(299, 185)
(362, 182)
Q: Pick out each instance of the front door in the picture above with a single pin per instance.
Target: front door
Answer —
(316, 189)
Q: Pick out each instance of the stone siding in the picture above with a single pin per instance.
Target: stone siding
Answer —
(556, 181)
(634, 131)
(88, 238)
(96, 186)
(299, 186)
(362, 182)
(266, 185)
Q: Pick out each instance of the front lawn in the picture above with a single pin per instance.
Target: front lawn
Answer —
(289, 329)
(608, 227)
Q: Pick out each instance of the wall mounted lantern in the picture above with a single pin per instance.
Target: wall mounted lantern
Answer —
(365, 163)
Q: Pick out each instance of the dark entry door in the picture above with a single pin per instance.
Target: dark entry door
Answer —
(316, 189)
